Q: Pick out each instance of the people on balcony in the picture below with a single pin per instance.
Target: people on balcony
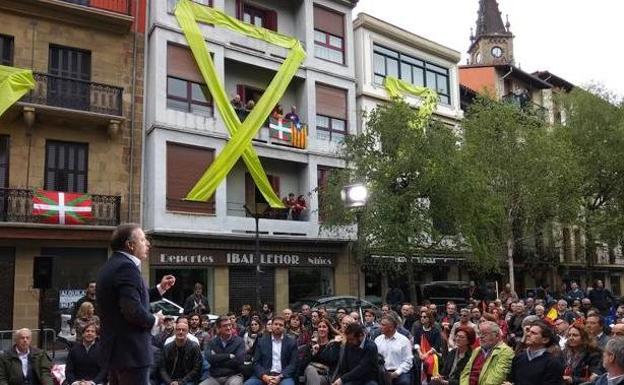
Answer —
(237, 102)
(295, 206)
(292, 116)
(278, 112)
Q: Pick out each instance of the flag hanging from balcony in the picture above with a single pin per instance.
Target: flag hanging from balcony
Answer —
(280, 129)
(299, 135)
(62, 207)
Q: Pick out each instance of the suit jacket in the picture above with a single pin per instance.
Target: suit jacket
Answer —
(84, 365)
(123, 302)
(359, 364)
(603, 380)
(496, 368)
(263, 357)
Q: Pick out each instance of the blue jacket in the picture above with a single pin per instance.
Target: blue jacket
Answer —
(263, 357)
(123, 302)
(603, 380)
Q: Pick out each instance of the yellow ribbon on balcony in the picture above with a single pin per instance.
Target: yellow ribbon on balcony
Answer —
(396, 88)
(14, 83)
(188, 14)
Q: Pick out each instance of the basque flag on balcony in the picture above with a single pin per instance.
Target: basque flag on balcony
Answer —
(62, 207)
(280, 129)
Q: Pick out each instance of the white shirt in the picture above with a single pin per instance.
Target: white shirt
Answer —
(276, 354)
(396, 351)
(24, 358)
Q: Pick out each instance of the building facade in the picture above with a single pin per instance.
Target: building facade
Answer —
(382, 49)
(213, 242)
(78, 131)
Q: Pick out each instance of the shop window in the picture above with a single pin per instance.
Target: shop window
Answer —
(242, 287)
(66, 166)
(255, 15)
(331, 113)
(6, 50)
(308, 283)
(329, 35)
(185, 166)
(73, 269)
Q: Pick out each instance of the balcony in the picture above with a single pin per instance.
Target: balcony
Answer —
(523, 102)
(73, 94)
(117, 6)
(287, 134)
(16, 206)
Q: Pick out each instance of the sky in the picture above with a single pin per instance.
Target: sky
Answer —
(580, 41)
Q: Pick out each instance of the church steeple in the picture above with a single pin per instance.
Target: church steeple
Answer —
(493, 41)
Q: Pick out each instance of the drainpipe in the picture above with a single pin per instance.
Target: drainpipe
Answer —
(133, 111)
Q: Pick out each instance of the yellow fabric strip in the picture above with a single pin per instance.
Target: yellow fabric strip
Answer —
(241, 134)
(396, 88)
(14, 83)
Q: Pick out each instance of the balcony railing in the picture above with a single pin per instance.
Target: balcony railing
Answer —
(118, 6)
(82, 95)
(16, 206)
(523, 102)
(281, 136)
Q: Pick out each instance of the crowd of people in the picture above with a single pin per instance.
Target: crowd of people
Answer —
(532, 341)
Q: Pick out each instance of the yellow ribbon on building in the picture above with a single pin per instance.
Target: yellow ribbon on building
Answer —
(188, 14)
(14, 83)
(396, 88)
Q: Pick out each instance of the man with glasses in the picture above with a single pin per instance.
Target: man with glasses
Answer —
(225, 353)
(613, 362)
(464, 320)
(561, 329)
(491, 362)
(396, 350)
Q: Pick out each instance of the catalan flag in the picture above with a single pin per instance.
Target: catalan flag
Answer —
(299, 135)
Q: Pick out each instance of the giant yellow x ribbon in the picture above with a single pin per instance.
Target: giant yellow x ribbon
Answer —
(188, 14)
(14, 83)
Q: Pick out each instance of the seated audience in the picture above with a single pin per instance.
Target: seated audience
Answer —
(181, 360)
(359, 364)
(82, 364)
(581, 357)
(226, 354)
(12, 369)
(396, 350)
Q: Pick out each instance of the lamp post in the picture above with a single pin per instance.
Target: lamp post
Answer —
(355, 197)
(260, 209)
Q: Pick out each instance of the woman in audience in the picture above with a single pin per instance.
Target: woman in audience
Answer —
(85, 316)
(323, 355)
(457, 358)
(582, 359)
(297, 330)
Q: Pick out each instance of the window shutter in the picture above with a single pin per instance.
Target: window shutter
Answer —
(328, 21)
(4, 162)
(181, 64)
(185, 165)
(239, 9)
(270, 20)
(275, 184)
(331, 102)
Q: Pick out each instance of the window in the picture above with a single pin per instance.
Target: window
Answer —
(187, 96)
(328, 35)
(254, 197)
(260, 17)
(387, 62)
(171, 4)
(70, 70)
(186, 90)
(331, 116)
(66, 166)
(6, 50)
(185, 165)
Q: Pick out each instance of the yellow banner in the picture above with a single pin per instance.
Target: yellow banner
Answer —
(188, 14)
(396, 88)
(14, 83)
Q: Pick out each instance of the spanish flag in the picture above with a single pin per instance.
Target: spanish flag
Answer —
(430, 365)
(552, 314)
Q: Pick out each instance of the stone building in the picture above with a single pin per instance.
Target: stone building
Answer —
(79, 131)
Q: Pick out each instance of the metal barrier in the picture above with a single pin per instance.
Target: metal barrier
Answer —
(48, 336)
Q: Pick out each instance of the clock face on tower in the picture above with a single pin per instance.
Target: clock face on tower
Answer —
(497, 52)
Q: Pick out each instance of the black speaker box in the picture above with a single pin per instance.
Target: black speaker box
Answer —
(42, 272)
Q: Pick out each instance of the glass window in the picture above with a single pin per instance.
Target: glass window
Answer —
(320, 36)
(338, 125)
(442, 86)
(322, 121)
(176, 87)
(379, 64)
(330, 129)
(392, 66)
(386, 51)
(187, 96)
(431, 80)
(328, 47)
(406, 72)
(199, 92)
(177, 105)
(335, 41)
(419, 78)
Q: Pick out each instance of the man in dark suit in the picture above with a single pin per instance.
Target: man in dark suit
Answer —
(359, 364)
(275, 359)
(613, 362)
(123, 304)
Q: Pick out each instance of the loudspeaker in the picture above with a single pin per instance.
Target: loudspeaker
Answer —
(42, 272)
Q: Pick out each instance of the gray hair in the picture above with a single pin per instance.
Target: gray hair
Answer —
(493, 326)
(615, 346)
(18, 333)
(529, 320)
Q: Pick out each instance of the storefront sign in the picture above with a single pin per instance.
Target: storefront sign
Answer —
(236, 258)
(422, 260)
(67, 298)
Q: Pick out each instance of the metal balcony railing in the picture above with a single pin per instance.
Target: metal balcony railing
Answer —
(16, 205)
(523, 102)
(82, 95)
(118, 6)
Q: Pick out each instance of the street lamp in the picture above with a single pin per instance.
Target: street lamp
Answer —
(260, 209)
(355, 196)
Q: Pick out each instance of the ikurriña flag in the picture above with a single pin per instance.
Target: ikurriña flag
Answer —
(63, 208)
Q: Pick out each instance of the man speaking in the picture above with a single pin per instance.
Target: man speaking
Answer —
(123, 303)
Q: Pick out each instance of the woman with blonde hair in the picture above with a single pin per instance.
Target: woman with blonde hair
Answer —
(85, 317)
(582, 359)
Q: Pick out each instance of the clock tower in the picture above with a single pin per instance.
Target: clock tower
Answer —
(493, 41)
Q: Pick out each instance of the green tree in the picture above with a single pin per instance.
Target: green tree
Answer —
(517, 180)
(594, 129)
(411, 168)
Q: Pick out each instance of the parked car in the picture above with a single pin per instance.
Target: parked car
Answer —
(171, 308)
(440, 292)
(347, 301)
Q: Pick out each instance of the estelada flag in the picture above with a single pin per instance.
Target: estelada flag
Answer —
(62, 207)
(299, 135)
